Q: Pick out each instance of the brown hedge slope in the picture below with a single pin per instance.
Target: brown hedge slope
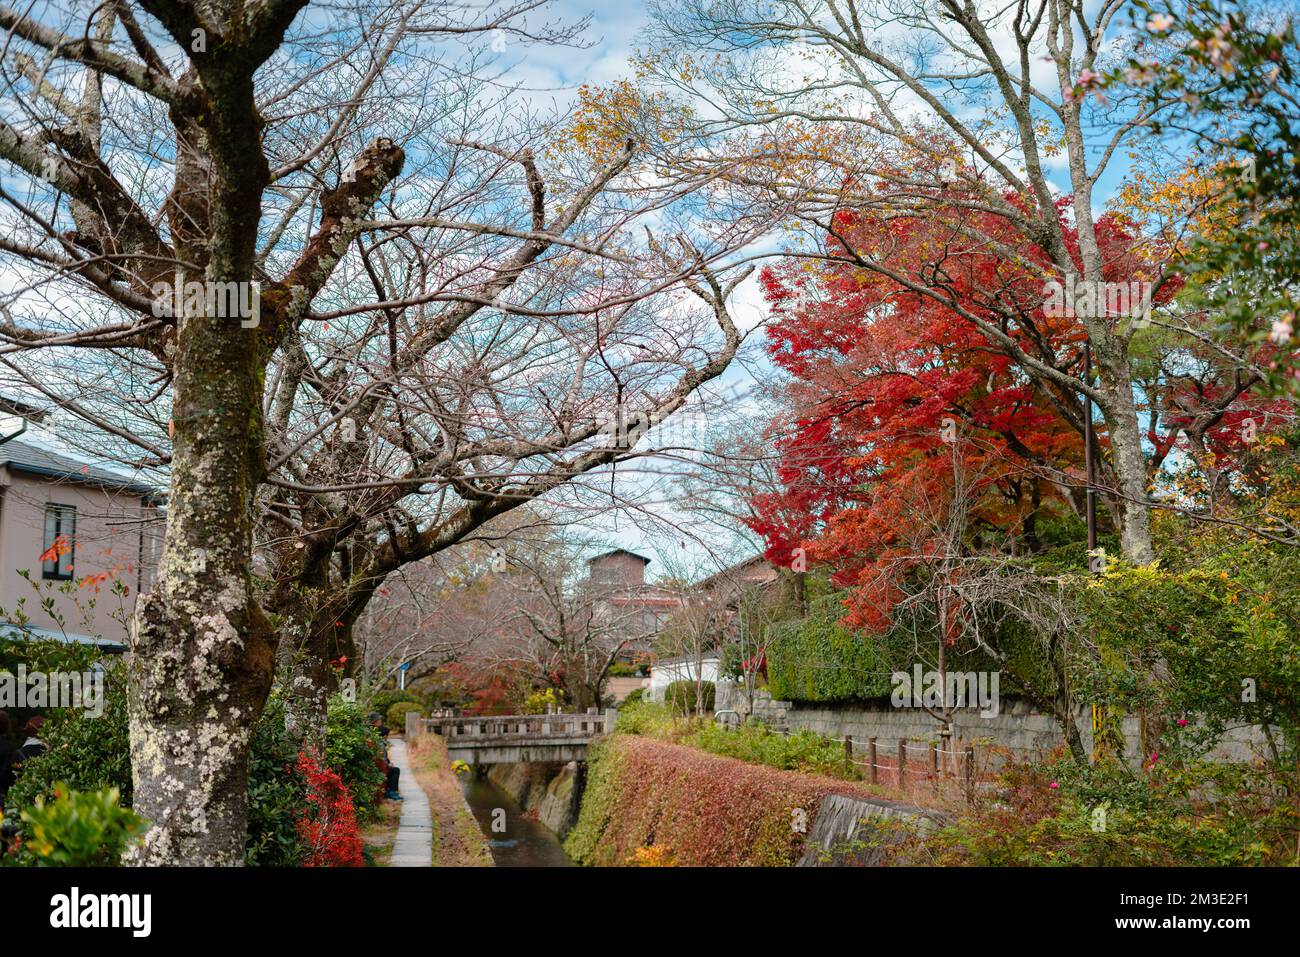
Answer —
(702, 809)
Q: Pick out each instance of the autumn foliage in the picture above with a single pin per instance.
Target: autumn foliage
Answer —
(894, 393)
(327, 826)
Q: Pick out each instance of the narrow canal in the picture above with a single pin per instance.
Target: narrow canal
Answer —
(523, 842)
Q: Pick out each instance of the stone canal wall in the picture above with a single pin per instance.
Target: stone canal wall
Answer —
(552, 791)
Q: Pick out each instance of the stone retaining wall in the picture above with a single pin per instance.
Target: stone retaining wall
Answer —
(1017, 727)
(552, 790)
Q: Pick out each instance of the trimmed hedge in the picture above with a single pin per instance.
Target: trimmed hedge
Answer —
(816, 659)
(680, 697)
(706, 811)
(396, 717)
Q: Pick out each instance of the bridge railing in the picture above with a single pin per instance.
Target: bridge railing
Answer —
(517, 726)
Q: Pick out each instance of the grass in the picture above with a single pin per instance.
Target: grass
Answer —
(380, 834)
(457, 840)
(754, 743)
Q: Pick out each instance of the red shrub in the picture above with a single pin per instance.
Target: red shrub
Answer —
(328, 826)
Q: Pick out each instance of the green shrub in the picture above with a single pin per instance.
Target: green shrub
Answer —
(804, 750)
(78, 829)
(1058, 813)
(276, 792)
(91, 754)
(352, 748)
(396, 716)
(649, 719)
(815, 658)
(754, 742)
(541, 702)
(382, 701)
(1225, 632)
(42, 654)
(681, 697)
(633, 697)
(85, 752)
(731, 662)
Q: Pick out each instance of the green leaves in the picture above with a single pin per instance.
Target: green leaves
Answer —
(803, 750)
(681, 697)
(816, 658)
(1221, 634)
(79, 829)
(352, 748)
(86, 753)
(1230, 83)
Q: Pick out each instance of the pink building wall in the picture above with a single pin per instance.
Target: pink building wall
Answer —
(118, 537)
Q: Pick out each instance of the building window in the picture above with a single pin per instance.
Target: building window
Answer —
(60, 542)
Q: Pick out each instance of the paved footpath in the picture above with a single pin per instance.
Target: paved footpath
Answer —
(414, 844)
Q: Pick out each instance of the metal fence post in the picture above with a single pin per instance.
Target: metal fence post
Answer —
(970, 775)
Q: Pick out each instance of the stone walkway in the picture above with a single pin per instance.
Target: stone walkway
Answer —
(413, 846)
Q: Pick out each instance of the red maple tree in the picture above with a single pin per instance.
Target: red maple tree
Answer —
(898, 400)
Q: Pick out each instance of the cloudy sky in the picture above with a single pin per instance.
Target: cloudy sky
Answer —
(559, 71)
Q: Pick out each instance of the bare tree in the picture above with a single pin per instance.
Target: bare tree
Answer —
(426, 615)
(561, 635)
(756, 608)
(698, 628)
(961, 594)
(444, 323)
(386, 461)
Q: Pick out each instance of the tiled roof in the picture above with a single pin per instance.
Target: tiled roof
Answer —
(734, 573)
(617, 551)
(34, 460)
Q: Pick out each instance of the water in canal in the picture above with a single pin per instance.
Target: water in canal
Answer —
(524, 842)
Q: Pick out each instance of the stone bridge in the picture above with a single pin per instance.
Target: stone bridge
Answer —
(516, 738)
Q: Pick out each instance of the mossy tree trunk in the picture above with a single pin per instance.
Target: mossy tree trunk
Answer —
(202, 652)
